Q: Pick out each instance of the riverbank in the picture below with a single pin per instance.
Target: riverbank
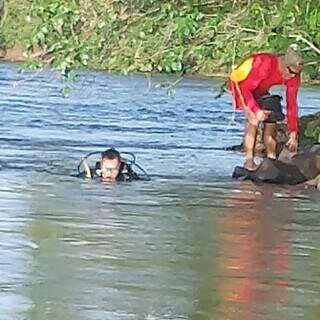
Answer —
(182, 38)
(18, 54)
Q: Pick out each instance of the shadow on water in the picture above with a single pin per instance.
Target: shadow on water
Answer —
(189, 244)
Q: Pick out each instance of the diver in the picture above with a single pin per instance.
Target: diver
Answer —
(111, 167)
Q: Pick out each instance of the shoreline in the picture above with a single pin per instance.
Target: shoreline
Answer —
(16, 55)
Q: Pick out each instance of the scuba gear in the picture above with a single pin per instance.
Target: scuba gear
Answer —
(126, 171)
(272, 102)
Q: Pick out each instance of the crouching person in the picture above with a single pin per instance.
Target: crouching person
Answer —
(250, 82)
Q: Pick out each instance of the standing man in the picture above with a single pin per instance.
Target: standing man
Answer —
(250, 81)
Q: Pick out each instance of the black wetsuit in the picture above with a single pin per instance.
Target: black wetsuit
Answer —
(126, 173)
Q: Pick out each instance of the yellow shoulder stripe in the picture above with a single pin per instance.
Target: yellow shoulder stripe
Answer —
(242, 71)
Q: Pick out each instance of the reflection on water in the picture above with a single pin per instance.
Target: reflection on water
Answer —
(189, 244)
(255, 257)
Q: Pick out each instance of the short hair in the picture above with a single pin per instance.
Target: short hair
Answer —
(293, 56)
(111, 154)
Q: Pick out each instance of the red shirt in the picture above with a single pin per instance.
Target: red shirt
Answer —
(264, 74)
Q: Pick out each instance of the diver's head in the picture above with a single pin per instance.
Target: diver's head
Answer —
(110, 164)
(293, 62)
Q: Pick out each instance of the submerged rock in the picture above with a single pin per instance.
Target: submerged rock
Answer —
(303, 167)
(314, 182)
(271, 171)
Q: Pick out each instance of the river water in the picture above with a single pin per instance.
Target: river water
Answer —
(191, 243)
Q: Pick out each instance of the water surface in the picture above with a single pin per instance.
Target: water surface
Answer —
(189, 244)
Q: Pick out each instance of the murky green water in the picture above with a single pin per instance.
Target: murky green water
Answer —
(189, 244)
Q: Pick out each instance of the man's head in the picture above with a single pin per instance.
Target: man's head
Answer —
(110, 164)
(293, 60)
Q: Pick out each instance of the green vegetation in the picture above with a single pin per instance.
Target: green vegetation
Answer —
(313, 130)
(172, 36)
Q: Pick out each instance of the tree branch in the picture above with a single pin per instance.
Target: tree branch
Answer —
(298, 37)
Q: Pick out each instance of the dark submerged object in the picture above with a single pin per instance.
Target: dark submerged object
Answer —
(285, 170)
(272, 102)
(271, 171)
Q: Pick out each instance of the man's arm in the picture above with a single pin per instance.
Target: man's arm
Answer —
(292, 106)
(292, 111)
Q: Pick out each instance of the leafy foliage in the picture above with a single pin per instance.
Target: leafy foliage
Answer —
(313, 130)
(173, 36)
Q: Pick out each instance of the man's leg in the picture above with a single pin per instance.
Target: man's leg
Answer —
(249, 144)
(269, 139)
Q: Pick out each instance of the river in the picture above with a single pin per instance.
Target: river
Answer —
(191, 243)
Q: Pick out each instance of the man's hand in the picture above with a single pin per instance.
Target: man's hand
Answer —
(293, 142)
(262, 115)
(254, 118)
